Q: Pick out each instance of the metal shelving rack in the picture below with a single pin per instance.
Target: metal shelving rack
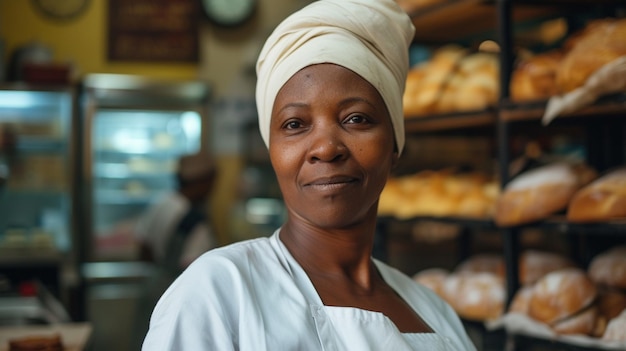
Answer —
(454, 19)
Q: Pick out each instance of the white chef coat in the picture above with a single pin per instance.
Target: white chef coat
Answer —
(253, 295)
(156, 226)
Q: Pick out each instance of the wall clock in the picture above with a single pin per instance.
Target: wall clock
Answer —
(229, 13)
(61, 9)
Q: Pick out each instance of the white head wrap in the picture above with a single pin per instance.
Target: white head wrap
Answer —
(369, 37)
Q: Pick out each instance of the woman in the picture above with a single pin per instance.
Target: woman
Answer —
(330, 82)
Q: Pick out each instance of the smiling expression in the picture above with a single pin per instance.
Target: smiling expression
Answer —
(331, 146)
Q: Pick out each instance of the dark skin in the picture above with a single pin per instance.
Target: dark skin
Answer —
(332, 148)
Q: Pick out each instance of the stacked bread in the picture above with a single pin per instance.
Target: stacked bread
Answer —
(538, 77)
(475, 289)
(540, 192)
(439, 193)
(426, 81)
(453, 80)
(574, 301)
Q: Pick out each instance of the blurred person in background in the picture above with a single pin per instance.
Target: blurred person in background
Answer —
(174, 231)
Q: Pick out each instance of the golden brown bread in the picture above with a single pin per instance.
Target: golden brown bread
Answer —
(475, 296)
(534, 78)
(582, 323)
(609, 268)
(601, 200)
(521, 300)
(561, 294)
(611, 302)
(473, 85)
(432, 278)
(439, 193)
(600, 42)
(540, 192)
(426, 81)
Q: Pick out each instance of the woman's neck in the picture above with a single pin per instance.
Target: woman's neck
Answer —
(343, 254)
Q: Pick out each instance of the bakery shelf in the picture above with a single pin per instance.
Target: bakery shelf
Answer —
(476, 223)
(540, 344)
(453, 19)
(614, 105)
(451, 121)
(612, 227)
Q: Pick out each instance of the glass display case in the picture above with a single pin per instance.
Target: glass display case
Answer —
(37, 188)
(135, 130)
(37, 168)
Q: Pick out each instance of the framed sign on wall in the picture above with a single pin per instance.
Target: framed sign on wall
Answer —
(153, 30)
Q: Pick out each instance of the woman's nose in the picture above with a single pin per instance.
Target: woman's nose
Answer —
(327, 145)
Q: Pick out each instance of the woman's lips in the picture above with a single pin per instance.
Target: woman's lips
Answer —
(331, 183)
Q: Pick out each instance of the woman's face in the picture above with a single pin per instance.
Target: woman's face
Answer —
(331, 146)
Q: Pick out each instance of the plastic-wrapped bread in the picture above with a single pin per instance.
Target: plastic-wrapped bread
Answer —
(540, 192)
(601, 200)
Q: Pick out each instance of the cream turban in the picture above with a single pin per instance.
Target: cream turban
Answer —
(369, 37)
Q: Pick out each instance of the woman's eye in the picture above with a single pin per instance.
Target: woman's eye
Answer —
(293, 125)
(356, 119)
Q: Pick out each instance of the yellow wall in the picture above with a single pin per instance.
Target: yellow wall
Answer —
(224, 53)
(81, 41)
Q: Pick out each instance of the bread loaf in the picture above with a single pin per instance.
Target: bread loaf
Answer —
(540, 192)
(475, 296)
(561, 294)
(609, 268)
(521, 300)
(611, 302)
(473, 85)
(601, 42)
(426, 81)
(534, 78)
(582, 323)
(432, 278)
(601, 200)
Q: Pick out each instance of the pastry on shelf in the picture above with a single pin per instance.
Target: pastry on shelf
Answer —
(540, 192)
(473, 85)
(601, 200)
(432, 278)
(478, 296)
(609, 268)
(561, 294)
(600, 42)
(534, 78)
(426, 81)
